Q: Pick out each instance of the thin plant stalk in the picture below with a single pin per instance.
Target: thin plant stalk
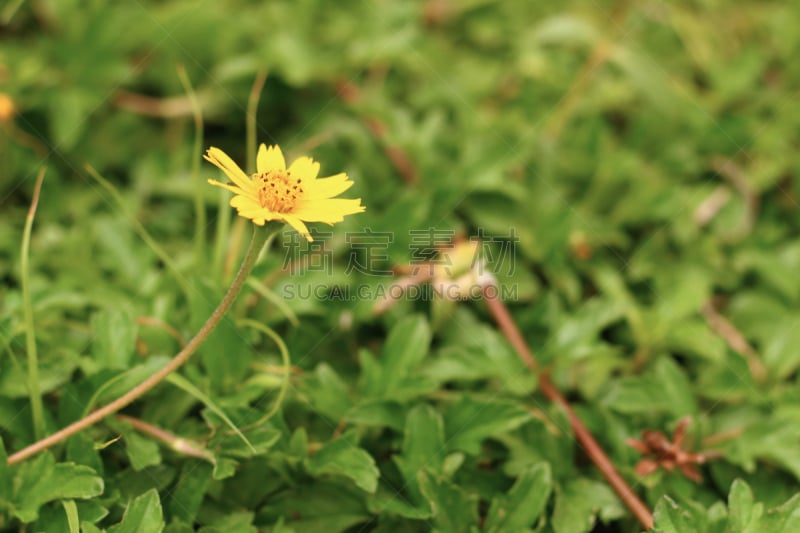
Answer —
(222, 233)
(252, 115)
(260, 236)
(587, 441)
(199, 185)
(287, 368)
(34, 392)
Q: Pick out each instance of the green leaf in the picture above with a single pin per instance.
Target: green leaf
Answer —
(783, 519)
(88, 527)
(387, 500)
(669, 517)
(579, 502)
(423, 446)
(142, 514)
(114, 338)
(328, 393)
(343, 457)
(224, 468)
(780, 353)
(453, 509)
(740, 507)
(42, 480)
(319, 507)
(142, 451)
(378, 413)
(405, 348)
(192, 484)
(225, 353)
(236, 522)
(81, 450)
(521, 506)
(469, 421)
(664, 388)
(487, 356)
(71, 510)
(772, 438)
(674, 386)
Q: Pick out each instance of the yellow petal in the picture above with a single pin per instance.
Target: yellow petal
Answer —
(328, 210)
(245, 202)
(304, 168)
(231, 188)
(298, 226)
(229, 167)
(327, 187)
(270, 159)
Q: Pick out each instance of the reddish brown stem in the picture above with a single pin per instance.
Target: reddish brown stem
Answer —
(179, 444)
(587, 441)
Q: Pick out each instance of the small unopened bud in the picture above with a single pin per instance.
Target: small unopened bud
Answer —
(7, 109)
(346, 321)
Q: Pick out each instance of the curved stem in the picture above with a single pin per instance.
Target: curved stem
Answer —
(257, 242)
(287, 368)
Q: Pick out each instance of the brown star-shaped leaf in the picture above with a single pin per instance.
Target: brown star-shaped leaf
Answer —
(660, 452)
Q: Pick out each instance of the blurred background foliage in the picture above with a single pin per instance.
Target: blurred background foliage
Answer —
(642, 153)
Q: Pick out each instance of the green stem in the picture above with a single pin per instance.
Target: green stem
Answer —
(223, 213)
(30, 333)
(260, 236)
(252, 114)
(223, 232)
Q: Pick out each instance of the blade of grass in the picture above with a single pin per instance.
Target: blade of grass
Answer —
(141, 230)
(189, 388)
(34, 393)
(199, 204)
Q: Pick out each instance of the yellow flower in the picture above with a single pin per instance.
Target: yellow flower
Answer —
(294, 195)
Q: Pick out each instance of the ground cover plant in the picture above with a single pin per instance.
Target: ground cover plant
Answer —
(551, 286)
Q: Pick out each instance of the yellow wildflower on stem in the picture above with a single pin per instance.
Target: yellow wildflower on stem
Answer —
(293, 195)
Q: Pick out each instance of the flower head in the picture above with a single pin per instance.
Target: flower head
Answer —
(293, 195)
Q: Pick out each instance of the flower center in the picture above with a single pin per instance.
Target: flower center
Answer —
(277, 190)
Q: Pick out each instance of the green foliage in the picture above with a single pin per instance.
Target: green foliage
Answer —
(638, 158)
(743, 514)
